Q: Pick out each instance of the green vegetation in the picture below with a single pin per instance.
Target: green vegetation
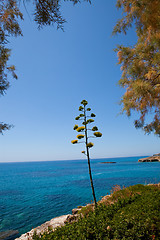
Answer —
(131, 213)
(85, 118)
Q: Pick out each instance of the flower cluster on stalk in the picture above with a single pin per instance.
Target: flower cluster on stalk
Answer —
(87, 118)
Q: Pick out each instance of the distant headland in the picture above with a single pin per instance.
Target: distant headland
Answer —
(154, 158)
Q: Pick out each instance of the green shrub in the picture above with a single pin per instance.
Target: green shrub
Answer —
(131, 213)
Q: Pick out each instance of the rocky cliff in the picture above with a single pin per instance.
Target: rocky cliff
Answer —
(150, 159)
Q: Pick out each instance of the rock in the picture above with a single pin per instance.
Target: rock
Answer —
(150, 159)
(10, 234)
(52, 224)
(72, 218)
(105, 198)
(76, 210)
(90, 204)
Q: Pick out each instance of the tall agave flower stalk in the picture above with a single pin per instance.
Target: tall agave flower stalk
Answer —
(86, 118)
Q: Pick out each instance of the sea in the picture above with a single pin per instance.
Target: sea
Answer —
(32, 193)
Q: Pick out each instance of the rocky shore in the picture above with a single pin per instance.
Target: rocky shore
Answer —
(154, 158)
(51, 225)
(62, 220)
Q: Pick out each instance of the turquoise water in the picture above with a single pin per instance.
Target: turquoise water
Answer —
(32, 193)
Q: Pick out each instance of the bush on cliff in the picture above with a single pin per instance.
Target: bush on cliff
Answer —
(132, 214)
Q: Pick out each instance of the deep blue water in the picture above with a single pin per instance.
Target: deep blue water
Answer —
(32, 193)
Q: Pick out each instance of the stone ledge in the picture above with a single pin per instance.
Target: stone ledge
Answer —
(52, 224)
(150, 159)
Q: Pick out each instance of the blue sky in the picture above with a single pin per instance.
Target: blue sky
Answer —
(56, 71)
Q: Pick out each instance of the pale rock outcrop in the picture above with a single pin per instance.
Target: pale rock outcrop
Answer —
(52, 224)
(150, 159)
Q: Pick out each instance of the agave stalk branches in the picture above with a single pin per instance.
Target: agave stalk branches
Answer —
(84, 130)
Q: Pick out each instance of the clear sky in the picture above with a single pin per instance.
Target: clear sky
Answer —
(56, 71)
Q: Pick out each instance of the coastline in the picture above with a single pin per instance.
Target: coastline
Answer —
(52, 224)
(62, 220)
